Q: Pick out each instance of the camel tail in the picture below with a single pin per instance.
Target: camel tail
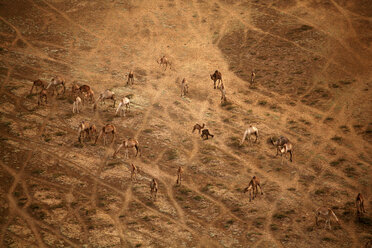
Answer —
(117, 110)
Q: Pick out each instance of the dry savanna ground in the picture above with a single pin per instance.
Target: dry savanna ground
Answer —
(313, 85)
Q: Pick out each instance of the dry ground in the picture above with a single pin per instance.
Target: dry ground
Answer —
(313, 65)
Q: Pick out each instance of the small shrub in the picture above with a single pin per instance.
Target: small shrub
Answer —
(279, 216)
(198, 198)
(262, 102)
(59, 134)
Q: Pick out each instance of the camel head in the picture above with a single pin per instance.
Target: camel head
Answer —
(203, 125)
(211, 76)
(273, 141)
(245, 190)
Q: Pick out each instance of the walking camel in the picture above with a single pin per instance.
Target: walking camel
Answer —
(184, 87)
(123, 102)
(106, 129)
(129, 143)
(179, 175)
(133, 173)
(252, 188)
(86, 129)
(198, 127)
(107, 94)
(248, 132)
(205, 133)
(216, 77)
(55, 82)
(38, 84)
(130, 78)
(153, 188)
(76, 105)
(164, 61)
(359, 203)
(325, 213)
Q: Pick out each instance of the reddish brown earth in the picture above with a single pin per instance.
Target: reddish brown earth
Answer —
(313, 85)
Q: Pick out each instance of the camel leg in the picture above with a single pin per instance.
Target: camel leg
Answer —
(260, 189)
(113, 137)
(137, 149)
(290, 158)
(117, 150)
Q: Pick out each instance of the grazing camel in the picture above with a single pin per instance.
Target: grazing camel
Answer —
(248, 132)
(130, 78)
(164, 61)
(252, 188)
(223, 93)
(86, 92)
(253, 76)
(179, 175)
(38, 84)
(326, 214)
(197, 126)
(133, 173)
(206, 133)
(129, 143)
(184, 87)
(106, 129)
(153, 188)
(216, 77)
(359, 203)
(76, 105)
(286, 148)
(86, 129)
(107, 94)
(43, 95)
(57, 81)
(279, 142)
(124, 102)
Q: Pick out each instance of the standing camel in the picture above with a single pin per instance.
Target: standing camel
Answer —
(86, 129)
(76, 105)
(130, 78)
(184, 87)
(252, 188)
(198, 127)
(248, 132)
(326, 214)
(205, 133)
(86, 92)
(57, 81)
(153, 188)
(38, 84)
(106, 129)
(123, 102)
(216, 77)
(359, 203)
(129, 143)
(179, 175)
(279, 142)
(164, 61)
(107, 94)
(75, 88)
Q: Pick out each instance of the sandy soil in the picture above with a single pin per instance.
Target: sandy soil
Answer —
(313, 84)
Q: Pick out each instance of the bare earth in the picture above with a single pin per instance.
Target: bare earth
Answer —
(313, 85)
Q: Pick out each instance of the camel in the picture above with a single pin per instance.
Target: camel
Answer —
(57, 81)
(286, 148)
(76, 104)
(129, 143)
(107, 94)
(179, 175)
(43, 95)
(184, 87)
(253, 76)
(216, 76)
(153, 188)
(133, 173)
(206, 133)
(164, 61)
(197, 126)
(124, 102)
(249, 131)
(86, 129)
(359, 203)
(38, 84)
(130, 78)
(326, 214)
(279, 142)
(223, 93)
(106, 129)
(86, 92)
(252, 188)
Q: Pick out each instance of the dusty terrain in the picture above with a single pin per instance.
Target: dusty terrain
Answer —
(313, 85)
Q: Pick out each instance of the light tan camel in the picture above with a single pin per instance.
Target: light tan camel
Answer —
(216, 77)
(107, 94)
(198, 127)
(86, 129)
(153, 188)
(179, 175)
(248, 132)
(359, 203)
(325, 213)
(76, 105)
(129, 143)
(164, 61)
(133, 173)
(55, 82)
(38, 84)
(124, 102)
(106, 129)
(252, 188)
(130, 78)
(184, 87)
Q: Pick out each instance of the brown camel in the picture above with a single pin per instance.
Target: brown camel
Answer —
(106, 129)
(252, 188)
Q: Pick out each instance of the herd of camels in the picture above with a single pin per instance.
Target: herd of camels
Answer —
(87, 130)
